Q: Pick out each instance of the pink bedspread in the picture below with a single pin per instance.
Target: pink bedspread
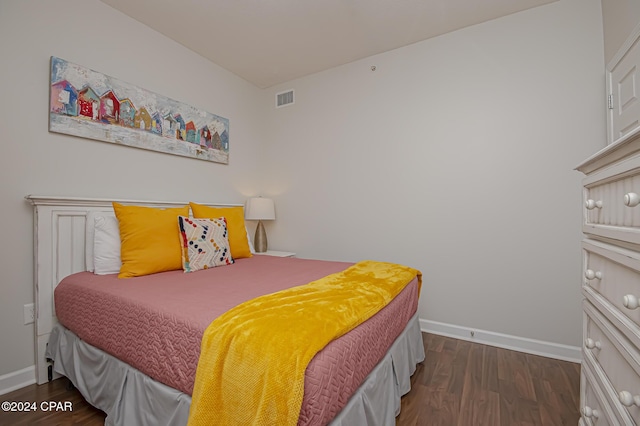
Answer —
(155, 323)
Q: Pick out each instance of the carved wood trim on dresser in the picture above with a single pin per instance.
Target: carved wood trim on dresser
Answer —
(610, 382)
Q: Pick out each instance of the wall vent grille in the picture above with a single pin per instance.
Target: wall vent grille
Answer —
(284, 98)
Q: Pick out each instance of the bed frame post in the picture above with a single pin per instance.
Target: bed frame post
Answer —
(58, 245)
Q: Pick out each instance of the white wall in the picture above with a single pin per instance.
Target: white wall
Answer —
(34, 161)
(619, 18)
(456, 157)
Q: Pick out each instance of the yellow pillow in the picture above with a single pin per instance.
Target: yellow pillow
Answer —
(150, 239)
(238, 241)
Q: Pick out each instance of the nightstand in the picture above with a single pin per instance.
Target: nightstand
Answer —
(277, 253)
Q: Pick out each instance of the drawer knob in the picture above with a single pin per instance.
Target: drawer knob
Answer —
(629, 400)
(631, 199)
(591, 274)
(592, 344)
(592, 204)
(590, 412)
(630, 301)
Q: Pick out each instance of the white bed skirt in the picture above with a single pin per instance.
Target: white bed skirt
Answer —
(130, 397)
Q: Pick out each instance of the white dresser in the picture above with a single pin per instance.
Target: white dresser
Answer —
(610, 382)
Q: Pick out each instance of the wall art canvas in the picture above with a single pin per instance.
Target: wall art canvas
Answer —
(92, 105)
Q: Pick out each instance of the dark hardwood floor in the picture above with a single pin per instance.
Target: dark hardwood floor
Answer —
(82, 412)
(459, 384)
(462, 384)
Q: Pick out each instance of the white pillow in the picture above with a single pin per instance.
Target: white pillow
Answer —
(106, 246)
(88, 241)
(251, 248)
(106, 226)
(89, 234)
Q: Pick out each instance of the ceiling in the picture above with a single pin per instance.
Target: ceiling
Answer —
(268, 42)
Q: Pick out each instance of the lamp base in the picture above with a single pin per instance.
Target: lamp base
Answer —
(260, 240)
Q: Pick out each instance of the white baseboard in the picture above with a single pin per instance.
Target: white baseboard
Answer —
(17, 379)
(520, 344)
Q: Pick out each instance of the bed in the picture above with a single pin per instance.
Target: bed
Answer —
(133, 351)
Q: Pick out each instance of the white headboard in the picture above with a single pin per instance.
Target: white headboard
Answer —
(59, 251)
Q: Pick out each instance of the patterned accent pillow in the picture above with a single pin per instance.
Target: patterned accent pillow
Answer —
(204, 243)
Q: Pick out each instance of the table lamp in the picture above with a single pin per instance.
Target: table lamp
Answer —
(260, 209)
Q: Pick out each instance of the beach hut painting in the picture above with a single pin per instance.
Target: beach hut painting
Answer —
(92, 105)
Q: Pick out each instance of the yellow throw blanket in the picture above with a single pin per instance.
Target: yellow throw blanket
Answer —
(253, 358)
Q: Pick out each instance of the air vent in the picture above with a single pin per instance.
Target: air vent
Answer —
(284, 98)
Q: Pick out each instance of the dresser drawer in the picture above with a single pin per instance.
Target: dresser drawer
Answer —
(611, 281)
(608, 202)
(616, 362)
(594, 407)
(612, 202)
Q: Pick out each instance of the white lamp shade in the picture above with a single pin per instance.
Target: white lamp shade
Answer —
(259, 208)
